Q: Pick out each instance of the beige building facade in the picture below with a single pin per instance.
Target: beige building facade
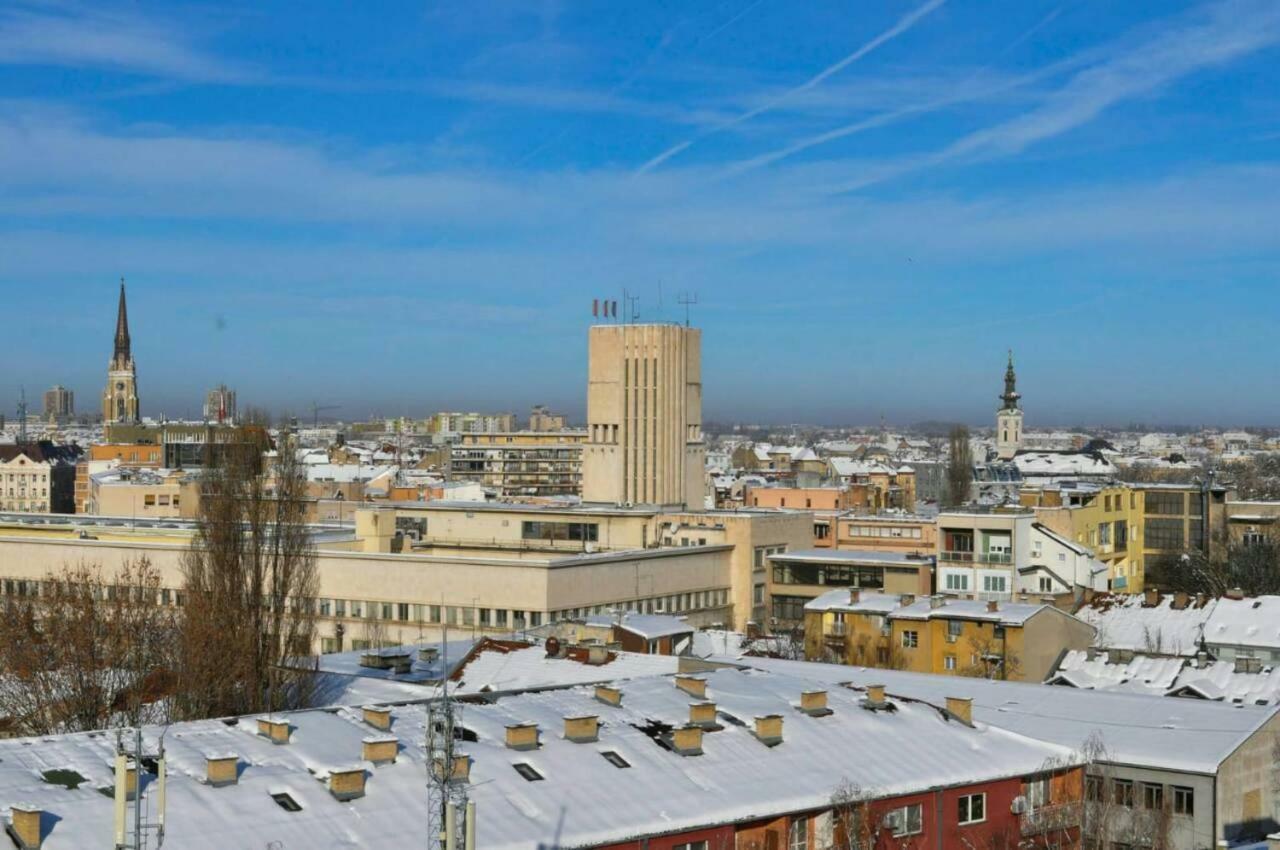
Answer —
(644, 416)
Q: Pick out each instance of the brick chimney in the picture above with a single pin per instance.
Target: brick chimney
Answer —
(377, 716)
(694, 686)
(875, 694)
(854, 595)
(907, 599)
(1151, 597)
(961, 708)
(221, 769)
(522, 736)
(992, 606)
(687, 740)
(461, 768)
(768, 729)
(276, 729)
(702, 714)
(584, 729)
(380, 749)
(814, 703)
(347, 783)
(25, 820)
(609, 695)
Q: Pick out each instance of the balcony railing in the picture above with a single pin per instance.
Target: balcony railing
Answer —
(1051, 818)
(836, 631)
(976, 557)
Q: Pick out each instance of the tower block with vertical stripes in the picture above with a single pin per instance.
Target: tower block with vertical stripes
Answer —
(644, 416)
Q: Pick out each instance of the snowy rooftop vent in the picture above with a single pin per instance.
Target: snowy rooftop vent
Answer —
(584, 729)
(608, 695)
(25, 825)
(347, 783)
(522, 736)
(961, 708)
(768, 729)
(687, 740)
(221, 769)
(703, 715)
(276, 729)
(380, 749)
(814, 703)
(377, 716)
(694, 686)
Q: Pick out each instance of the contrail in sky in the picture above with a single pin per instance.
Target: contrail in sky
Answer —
(903, 24)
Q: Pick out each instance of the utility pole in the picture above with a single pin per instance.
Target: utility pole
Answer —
(687, 300)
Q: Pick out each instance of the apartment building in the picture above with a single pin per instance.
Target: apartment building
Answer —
(994, 553)
(798, 577)
(889, 532)
(141, 493)
(38, 478)
(521, 463)
(941, 635)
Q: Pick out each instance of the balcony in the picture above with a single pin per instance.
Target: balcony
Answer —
(835, 633)
(976, 557)
(1063, 816)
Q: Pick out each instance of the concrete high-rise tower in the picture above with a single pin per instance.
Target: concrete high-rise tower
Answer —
(120, 399)
(1009, 417)
(644, 416)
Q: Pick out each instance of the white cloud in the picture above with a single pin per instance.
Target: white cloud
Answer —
(94, 37)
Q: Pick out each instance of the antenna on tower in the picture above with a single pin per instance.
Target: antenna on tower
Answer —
(22, 415)
(687, 301)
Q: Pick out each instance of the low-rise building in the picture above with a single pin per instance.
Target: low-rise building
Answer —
(891, 532)
(799, 576)
(934, 634)
(140, 493)
(38, 478)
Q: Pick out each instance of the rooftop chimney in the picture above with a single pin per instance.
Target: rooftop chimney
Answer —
(875, 694)
(694, 686)
(961, 708)
(461, 768)
(854, 595)
(380, 749)
(937, 600)
(814, 703)
(1151, 597)
(522, 736)
(608, 695)
(377, 716)
(347, 783)
(702, 715)
(221, 769)
(687, 740)
(907, 599)
(992, 606)
(1181, 599)
(1234, 593)
(275, 729)
(25, 819)
(584, 729)
(597, 655)
(768, 729)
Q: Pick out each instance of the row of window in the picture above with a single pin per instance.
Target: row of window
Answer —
(837, 574)
(913, 533)
(584, 531)
(959, 582)
(1129, 794)
(406, 612)
(150, 500)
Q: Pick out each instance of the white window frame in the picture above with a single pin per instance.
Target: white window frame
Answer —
(967, 802)
(904, 823)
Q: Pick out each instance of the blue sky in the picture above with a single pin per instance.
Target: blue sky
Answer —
(412, 209)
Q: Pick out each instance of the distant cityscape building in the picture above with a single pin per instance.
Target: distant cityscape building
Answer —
(1009, 417)
(644, 416)
(59, 403)
(542, 419)
(523, 463)
(38, 478)
(471, 423)
(120, 399)
(220, 405)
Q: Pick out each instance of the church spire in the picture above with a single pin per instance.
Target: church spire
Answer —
(122, 353)
(1011, 394)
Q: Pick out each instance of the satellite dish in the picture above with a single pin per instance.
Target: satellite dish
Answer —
(553, 646)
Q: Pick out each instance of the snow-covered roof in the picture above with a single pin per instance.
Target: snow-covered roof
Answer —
(1062, 463)
(523, 669)
(912, 749)
(1253, 622)
(1212, 680)
(650, 626)
(926, 608)
(849, 556)
(1125, 622)
(1155, 673)
(847, 466)
(1136, 729)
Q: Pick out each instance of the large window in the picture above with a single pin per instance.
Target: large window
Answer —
(785, 572)
(584, 531)
(1165, 503)
(957, 581)
(789, 607)
(1122, 792)
(799, 837)
(973, 808)
(910, 639)
(907, 820)
(1121, 533)
(1152, 796)
(1163, 533)
(995, 584)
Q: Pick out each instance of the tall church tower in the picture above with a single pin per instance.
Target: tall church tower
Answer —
(1009, 417)
(120, 399)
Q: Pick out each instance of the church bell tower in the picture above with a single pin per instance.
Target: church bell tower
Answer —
(1009, 417)
(120, 399)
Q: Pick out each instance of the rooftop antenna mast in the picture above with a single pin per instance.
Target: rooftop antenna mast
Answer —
(687, 300)
(450, 816)
(132, 762)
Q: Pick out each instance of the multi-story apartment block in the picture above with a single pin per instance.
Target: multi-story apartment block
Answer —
(522, 463)
(542, 419)
(59, 403)
(38, 478)
(935, 634)
(797, 577)
(992, 554)
(220, 405)
(447, 422)
(891, 532)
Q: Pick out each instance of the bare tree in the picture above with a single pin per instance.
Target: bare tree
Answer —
(250, 582)
(1252, 567)
(991, 659)
(90, 650)
(959, 467)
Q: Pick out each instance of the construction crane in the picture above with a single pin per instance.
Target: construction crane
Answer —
(317, 409)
